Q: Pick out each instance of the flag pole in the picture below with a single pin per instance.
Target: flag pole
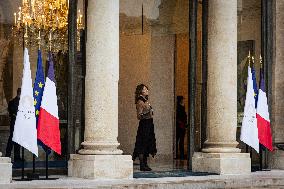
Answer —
(249, 57)
(46, 151)
(250, 152)
(33, 164)
(25, 42)
(41, 129)
(17, 137)
(263, 148)
(265, 161)
(46, 164)
(260, 146)
(23, 164)
(247, 147)
(260, 157)
(35, 176)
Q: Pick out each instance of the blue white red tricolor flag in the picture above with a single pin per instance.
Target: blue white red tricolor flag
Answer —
(262, 115)
(48, 122)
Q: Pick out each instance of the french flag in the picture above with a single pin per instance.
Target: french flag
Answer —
(262, 116)
(48, 122)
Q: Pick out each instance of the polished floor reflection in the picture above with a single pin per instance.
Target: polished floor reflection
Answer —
(178, 168)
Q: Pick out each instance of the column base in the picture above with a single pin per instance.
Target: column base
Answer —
(91, 148)
(6, 170)
(276, 159)
(100, 166)
(221, 163)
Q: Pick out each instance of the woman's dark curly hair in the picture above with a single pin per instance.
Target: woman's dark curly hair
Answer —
(138, 91)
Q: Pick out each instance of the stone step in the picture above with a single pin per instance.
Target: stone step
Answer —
(268, 179)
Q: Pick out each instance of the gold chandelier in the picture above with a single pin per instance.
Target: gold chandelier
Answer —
(44, 23)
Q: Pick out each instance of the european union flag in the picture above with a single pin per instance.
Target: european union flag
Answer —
(38, 85)
(254, 85)
(38, 92)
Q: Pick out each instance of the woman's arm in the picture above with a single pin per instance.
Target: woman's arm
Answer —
(139, 108)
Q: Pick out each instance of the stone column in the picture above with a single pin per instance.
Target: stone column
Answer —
(5, 169)
(100, 157)
(220, 154)
(276, 158)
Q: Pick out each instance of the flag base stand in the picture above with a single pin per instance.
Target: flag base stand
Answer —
(265, 170)
(22, 179)
(48, 178)
(30, 179)
(33, 176)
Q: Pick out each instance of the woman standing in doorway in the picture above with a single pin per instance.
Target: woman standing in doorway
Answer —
(145, 139)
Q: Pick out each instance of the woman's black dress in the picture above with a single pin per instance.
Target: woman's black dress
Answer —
(145, 140)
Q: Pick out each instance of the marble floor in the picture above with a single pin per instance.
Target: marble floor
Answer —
(173, 175)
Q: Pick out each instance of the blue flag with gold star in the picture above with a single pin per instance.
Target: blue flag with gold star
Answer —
(38, 85)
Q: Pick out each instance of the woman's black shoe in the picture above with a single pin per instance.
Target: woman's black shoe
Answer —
(148, 168)
(146, 164)
(145, 169)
